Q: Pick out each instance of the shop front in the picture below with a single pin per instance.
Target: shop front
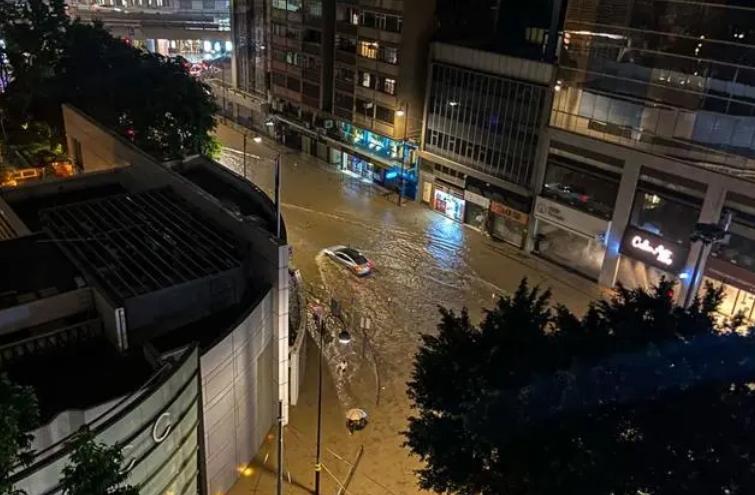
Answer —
(476, 210)
(738, 285)
(508, 224)
(570, 237)
(657, 241)
(358, 165)
(647, 258)
(449, 201)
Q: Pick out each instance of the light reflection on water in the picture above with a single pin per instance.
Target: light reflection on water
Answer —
(445, 241)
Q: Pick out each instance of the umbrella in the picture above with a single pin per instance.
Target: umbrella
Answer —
(356, 415)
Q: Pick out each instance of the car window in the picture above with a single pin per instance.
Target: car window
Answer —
(355, 255)
(344, 257)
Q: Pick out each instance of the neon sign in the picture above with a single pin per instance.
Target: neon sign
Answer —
(661, 253)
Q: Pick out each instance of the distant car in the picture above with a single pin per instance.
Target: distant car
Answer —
(351, 259)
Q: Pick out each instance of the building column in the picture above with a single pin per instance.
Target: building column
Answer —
(280, 324)
(622, 210)
(538, 175)
(713, 204)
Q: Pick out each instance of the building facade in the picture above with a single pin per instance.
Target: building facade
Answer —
(176, 294)
(485, 115)
(652, 131)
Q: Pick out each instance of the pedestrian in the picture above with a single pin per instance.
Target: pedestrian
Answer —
(341, 368)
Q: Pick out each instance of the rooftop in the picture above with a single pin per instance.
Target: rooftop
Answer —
(136, 243)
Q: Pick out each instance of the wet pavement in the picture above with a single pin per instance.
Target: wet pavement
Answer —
(422, 260)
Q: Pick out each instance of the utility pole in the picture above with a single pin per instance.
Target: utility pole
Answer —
(278, 195)
(403, 158)
(244, 154)
(318, 465)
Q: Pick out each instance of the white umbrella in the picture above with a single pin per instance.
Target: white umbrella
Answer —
(356, 415)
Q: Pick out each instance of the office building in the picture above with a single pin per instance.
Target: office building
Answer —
(652, 131)
(149, 303)
(488, 98)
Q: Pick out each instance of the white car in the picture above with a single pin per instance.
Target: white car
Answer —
(351, 259)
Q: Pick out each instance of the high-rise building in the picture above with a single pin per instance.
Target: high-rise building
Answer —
(250, 45)
(652, 131)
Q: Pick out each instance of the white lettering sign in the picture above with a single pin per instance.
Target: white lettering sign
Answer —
(661, 253)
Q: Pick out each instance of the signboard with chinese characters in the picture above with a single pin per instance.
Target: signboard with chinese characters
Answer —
(654, 250)
(509, 212)
(477, 199)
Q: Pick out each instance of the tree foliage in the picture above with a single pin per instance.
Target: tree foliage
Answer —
(636, 396)
(19, 414)
(95, 469)
(144, 97)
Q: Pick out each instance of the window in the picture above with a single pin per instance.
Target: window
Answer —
(393, 23)
(584, 188)
(277, 29)
(665, 215)
(314, 8)
(384, 114)
(279, 79)
(185, 4)
(344, 75)
(293, 58)
(293, 84)
(312, 36)
(367, 19)
(368, 49)
(344, 101)
(389, 86)
(208, 4)
(366, 79)
(388, 54)
(311, 90)
(366, 108)
(345, 43)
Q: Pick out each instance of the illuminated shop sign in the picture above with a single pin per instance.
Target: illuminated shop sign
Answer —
(654, 250)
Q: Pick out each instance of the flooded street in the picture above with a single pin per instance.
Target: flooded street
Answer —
(422, 260)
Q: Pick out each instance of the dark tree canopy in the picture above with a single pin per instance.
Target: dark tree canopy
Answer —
(95, 468)
(18, 415)
(145, 97)
(637, 396)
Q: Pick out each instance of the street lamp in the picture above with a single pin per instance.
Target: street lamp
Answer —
(277, 162)
(708, 234)
(405, 114)
(344, 337)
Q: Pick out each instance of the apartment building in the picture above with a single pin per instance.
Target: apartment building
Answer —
(348, 83)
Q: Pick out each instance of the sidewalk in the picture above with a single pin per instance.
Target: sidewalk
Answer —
(340, 450)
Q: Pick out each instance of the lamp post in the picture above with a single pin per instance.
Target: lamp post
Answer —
(708, 234)
(405, 115)
(344, 338)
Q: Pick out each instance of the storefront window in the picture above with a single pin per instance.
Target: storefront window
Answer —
(668, 217)
(566, 248)
(591, 192)
(450, 205)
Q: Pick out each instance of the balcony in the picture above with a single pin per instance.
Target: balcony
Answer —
(393, 5)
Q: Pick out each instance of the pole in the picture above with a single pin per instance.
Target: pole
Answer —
(693, 283)
(318, 466)
(403, 158)
(244, 154)
(278, 195)
(280, 448)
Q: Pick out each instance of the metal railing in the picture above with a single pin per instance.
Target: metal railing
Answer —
(55, 339)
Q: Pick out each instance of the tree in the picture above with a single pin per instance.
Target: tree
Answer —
(146, 98)
(636, 396)
(95, 468)
(19, 414)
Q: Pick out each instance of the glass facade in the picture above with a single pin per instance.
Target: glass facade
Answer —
(486, 122)
(668, 217)
(674, 77)
(590, 190)
(249, 42)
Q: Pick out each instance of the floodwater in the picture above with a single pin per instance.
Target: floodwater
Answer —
(422, 260)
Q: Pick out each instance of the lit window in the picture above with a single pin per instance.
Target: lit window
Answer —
(368, 49)
(389, 86)
(366, 79)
